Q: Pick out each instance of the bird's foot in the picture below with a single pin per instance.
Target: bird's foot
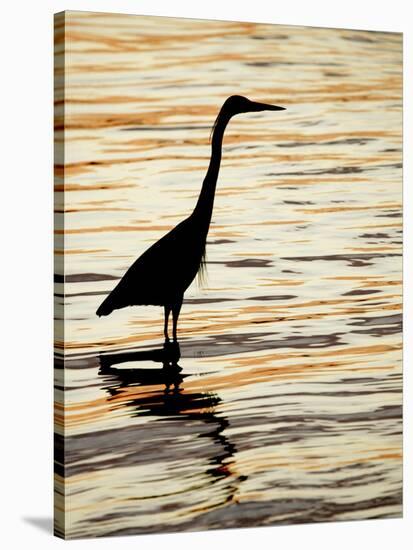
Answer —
(173, 351)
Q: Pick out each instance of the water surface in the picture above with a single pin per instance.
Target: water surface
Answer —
(288, 405)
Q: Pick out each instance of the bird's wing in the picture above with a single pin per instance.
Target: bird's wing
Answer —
(159, 273)
(159, 256)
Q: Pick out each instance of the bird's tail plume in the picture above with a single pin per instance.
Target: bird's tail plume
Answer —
(105, 307)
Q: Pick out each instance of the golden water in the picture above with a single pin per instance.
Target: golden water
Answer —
(288, 405)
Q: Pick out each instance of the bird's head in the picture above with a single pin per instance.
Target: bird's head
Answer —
(239, 104)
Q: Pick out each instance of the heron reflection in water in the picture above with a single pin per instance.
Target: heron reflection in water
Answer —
(169, 375)
(161, 275)
(158, 393)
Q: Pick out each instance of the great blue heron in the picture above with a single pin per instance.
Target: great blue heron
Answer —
(161, 275)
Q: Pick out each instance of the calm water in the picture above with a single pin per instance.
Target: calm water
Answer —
(288, 405)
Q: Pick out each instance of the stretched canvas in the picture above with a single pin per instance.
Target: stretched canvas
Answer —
(228, 265)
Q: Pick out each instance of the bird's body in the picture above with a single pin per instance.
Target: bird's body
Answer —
(161, 275)
(154, 278)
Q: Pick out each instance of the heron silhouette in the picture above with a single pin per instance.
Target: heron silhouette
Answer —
(161, 275)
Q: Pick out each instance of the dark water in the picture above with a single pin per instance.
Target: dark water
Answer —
(286, 405)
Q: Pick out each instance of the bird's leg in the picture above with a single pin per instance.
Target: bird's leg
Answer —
(167, 311)
(175, 314)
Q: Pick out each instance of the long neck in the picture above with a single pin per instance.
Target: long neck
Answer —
(205, 204)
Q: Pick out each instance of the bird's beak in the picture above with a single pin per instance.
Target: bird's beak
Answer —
(255, 106)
